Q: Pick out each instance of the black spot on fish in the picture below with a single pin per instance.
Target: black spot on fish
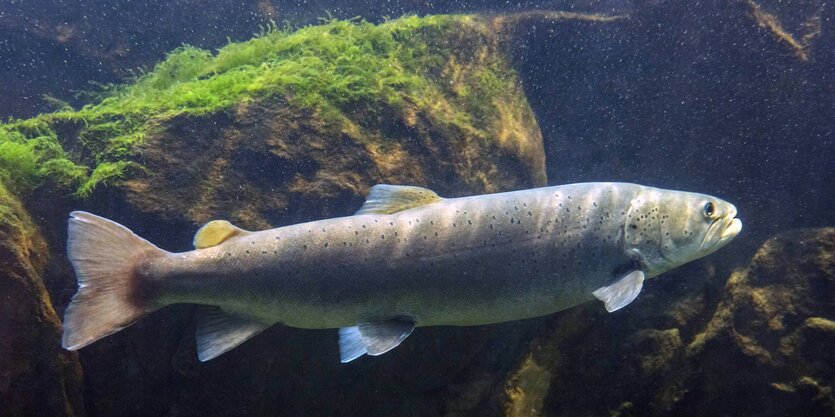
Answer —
(391, 223)
(247, 252)
(326, 244)
(454, 225)
(469, 222)
(305, 246)
(633, 226)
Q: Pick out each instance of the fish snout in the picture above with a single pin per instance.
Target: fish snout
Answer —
(732, 225)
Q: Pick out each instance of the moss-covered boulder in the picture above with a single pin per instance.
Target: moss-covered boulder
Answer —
(37, 377)
(287, 127)
(763, 346)
(325, 111)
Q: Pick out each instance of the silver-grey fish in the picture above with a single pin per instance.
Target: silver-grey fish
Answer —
(407, 258)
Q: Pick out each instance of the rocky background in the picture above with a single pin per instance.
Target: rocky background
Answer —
(734, 98)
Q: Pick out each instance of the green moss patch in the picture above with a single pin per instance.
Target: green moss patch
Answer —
(405, 65)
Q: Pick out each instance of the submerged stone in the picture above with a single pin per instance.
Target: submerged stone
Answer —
(765, 348)
(37, 377)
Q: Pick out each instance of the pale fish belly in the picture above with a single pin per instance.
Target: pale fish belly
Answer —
(461, 261)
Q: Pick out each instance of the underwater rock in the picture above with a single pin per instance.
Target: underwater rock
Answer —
(37, 377)
(288, 118)
(266, 163)
(285, 128)
(763, 347)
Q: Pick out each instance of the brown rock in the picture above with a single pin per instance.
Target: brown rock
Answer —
(37, 377)
(766, 347)
(266, 163)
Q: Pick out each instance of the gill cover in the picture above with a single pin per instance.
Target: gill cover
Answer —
(666, 228)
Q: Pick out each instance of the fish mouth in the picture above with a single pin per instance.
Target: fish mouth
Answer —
(731, 230)
(724, 229)
(731, 226)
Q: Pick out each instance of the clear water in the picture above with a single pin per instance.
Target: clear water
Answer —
(730, 99)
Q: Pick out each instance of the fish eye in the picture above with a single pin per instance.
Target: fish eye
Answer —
(709, 209)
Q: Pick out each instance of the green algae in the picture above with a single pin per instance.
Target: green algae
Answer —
(335, 68)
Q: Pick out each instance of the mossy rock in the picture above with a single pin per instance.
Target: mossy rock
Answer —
(37, 377)
(287, 127)
(396, 90)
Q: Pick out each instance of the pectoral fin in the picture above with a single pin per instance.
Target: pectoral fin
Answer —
(219, 332)
(622, 292)
(373, 338)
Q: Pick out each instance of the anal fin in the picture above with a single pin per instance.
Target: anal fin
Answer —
(373, 338)
(219, 332)
(622, 292)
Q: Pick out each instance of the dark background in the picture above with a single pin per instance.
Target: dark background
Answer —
(686, 95)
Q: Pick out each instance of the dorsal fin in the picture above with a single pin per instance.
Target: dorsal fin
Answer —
(215, 232)
(388, 199)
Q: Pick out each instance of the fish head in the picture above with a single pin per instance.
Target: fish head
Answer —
(666, 229)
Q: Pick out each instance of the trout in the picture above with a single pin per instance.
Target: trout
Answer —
(407, 258)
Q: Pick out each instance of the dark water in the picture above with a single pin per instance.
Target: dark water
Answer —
(708, 96)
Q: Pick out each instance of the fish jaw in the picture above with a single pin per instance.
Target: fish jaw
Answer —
(731, 230)
(725, 229)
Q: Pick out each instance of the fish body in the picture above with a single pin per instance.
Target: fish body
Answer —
(409, 258)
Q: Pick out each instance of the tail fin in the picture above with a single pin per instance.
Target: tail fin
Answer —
(103, 254)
